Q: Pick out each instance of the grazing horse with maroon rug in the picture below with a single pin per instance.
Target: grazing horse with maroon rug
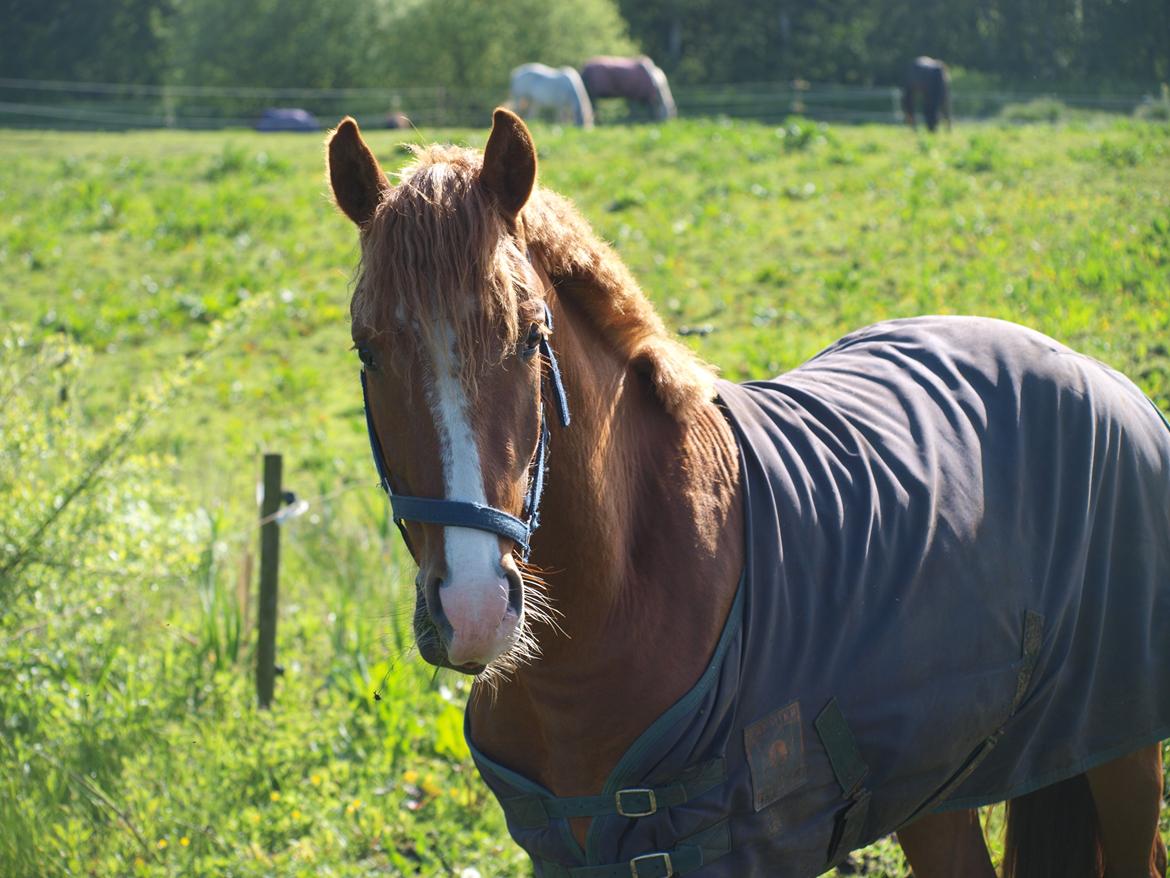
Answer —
(741, 630)
(636, 79)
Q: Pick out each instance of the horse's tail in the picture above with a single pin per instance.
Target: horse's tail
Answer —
(1054, 831)
(583, 107)
(666, 105)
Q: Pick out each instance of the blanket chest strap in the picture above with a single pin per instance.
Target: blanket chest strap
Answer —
(850, 770)
(691, 854)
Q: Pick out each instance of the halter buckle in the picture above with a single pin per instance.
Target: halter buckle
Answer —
(660, 859)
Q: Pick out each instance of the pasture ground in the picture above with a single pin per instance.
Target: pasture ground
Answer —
(173, 304)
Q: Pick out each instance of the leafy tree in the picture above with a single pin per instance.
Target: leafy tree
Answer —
(1038, 42)
(111, 41)
(474, 44)
(286, 43)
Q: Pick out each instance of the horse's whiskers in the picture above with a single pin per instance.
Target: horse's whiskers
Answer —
(538, 611)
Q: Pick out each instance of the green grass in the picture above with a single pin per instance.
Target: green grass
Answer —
(129, 744)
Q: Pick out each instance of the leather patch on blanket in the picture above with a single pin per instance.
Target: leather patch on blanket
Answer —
(775, 752)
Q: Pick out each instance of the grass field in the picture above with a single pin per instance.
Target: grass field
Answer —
(173, 304)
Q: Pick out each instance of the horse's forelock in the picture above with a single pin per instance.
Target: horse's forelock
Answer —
(438, 254)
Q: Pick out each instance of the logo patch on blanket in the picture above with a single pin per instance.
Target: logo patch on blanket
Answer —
(775, 752)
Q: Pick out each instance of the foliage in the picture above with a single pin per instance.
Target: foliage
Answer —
(111, 41)
(1097, 42)
(1156, 110)
(263, 42)
(465, 44)
(129, 741)
(1047, 110)
(1092, 46)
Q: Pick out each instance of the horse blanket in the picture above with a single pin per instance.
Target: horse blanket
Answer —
(928, 77)
(956, 590)
(630, 78)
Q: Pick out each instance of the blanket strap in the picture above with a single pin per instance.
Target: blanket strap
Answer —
(535, 812)
(690, 855)
(850, 770)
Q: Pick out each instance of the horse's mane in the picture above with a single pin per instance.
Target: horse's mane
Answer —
(588, 272)
(437, 235)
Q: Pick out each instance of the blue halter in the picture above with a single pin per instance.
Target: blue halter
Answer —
(462, 513)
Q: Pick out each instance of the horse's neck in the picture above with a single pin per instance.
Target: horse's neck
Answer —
(642, 544)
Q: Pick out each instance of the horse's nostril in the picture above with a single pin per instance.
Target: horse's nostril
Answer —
(432, 590)
(515, 590)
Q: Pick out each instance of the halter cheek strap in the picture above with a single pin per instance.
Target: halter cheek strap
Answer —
(463, 513)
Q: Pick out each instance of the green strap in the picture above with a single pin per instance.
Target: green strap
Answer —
(535, 812)
(691, 854)
(850, 770)
(848, 766)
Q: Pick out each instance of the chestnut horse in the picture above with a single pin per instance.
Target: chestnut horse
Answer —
(515, 375)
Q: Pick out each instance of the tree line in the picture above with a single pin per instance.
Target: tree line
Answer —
(1091, 43)
(467, 44)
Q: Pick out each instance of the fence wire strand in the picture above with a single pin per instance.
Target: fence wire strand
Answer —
(34, 102)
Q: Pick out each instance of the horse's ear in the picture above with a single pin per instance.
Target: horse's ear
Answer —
(509, 162)
(357, 179)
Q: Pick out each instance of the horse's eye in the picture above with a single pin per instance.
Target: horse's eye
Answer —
(532, 341)
(367, 357)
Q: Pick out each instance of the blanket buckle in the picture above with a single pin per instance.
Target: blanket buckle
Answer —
(660, 859)
(648, 800)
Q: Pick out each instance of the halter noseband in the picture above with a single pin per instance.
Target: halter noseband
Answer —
(463, 513)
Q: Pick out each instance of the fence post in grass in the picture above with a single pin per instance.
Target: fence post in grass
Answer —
(269, 572)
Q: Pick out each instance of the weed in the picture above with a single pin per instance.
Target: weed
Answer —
(1047, 110)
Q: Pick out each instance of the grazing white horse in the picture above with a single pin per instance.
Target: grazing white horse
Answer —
(534, 86)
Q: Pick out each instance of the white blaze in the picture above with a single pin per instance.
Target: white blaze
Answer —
(475, 594)
(462, 473)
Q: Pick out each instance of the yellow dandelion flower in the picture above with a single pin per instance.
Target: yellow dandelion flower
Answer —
(274, 796)
(184, 841)
(315, 779)
(254, 817)
(410, 776)
(162, 844)
(139, 862)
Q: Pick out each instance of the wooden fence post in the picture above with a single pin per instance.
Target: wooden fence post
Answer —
(269, 574)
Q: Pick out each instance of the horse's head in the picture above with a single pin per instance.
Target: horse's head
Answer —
(449, 321)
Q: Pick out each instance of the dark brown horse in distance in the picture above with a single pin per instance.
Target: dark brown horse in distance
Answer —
(927, 78)
(635, 79)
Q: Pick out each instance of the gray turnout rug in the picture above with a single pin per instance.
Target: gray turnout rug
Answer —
(956, 590)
